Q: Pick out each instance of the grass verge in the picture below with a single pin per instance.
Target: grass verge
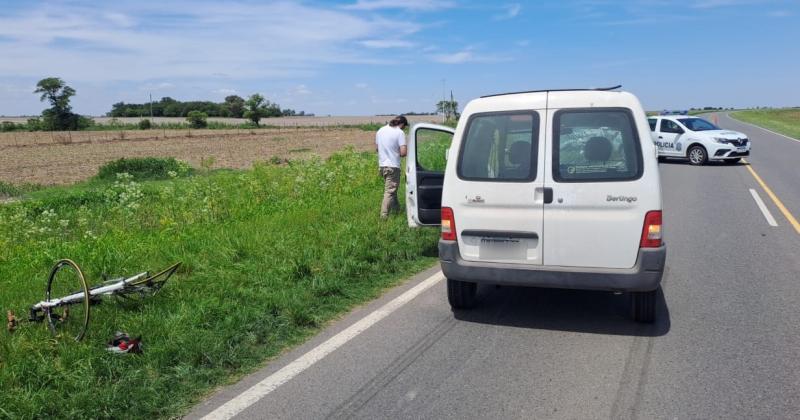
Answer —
(270, 256)
(784, 121)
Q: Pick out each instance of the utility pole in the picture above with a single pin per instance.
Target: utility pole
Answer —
(151, 107)
(444, 117)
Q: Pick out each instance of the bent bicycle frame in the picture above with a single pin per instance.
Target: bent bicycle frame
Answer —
(142, 284)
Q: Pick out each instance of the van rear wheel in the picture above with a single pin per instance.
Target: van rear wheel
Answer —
(461, 294)
(643, 306)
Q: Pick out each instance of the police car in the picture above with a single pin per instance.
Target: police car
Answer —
(696, 139)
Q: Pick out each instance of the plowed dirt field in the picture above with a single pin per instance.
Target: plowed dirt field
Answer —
(64, 158)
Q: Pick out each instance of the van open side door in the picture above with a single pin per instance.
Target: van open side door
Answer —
(428, 147)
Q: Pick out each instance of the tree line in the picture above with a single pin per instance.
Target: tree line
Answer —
(59, 117)
(233, 106)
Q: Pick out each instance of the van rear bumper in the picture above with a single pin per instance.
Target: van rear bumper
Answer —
(644, 276)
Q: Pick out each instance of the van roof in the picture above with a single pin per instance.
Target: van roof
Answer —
(553, 90)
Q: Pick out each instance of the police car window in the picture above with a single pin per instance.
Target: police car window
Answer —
(698, 124)
(595, 145)
(652, 122)
(500, 147)
(668, 126)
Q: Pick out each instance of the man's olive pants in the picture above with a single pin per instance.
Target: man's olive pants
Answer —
(391, 179)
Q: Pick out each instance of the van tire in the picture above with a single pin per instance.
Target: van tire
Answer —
(461, 294)
(643, 306)
(697, 155)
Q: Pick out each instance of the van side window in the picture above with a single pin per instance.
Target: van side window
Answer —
(595, 145)
(652, 122)
(500, 147)
(431, 147)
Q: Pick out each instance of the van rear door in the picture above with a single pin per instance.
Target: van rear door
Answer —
(596, 169)
(425, 165)
(496, 189)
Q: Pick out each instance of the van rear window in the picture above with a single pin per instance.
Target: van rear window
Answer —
(592, 145)
(500, 147)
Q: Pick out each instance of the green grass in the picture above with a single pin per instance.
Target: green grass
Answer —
(10, 190)
(785, 121)
(270, 256)
(144, 168)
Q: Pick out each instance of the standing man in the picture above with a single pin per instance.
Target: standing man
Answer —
(390, 142)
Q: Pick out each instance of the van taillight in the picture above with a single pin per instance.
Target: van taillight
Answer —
(448, 224)
(651, 233)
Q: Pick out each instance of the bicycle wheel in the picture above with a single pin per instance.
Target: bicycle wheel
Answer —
(70, 316)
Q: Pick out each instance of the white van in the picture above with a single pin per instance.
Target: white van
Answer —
(546, 189)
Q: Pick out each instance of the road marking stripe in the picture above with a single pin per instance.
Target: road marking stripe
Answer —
(774, 198)
(758, 126)
(763, 207)
(272, 382)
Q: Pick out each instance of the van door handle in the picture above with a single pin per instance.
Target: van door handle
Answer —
(548, 195)
(660, 137)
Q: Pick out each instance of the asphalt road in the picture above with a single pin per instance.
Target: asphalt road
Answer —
(725, 344)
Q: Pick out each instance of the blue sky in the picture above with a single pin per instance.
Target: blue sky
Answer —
(365, 57)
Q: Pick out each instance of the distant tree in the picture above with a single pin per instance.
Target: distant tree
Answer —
(59, 116)
(34, 124)
(145, 124)
(448, 108)
(197, 119)
(235, 106)
(7, 126)
(256, 108)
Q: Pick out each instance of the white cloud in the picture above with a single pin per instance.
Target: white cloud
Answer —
(187, 39)
(224, 91)
(386, 43)
(510, 12)
(711, 4)
(466, 55)
(120, 19)
(361, 85)
(156, 87)
(523, 43)
(300, 90)
(779, 13)
(454, 58)
(420, 5)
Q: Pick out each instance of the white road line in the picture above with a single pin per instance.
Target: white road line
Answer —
(758, 126)
(272, 382)
(763, 207)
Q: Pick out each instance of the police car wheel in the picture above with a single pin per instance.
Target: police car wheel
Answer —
(697, 155)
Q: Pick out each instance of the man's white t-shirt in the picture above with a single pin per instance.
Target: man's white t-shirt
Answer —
(389, 139)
